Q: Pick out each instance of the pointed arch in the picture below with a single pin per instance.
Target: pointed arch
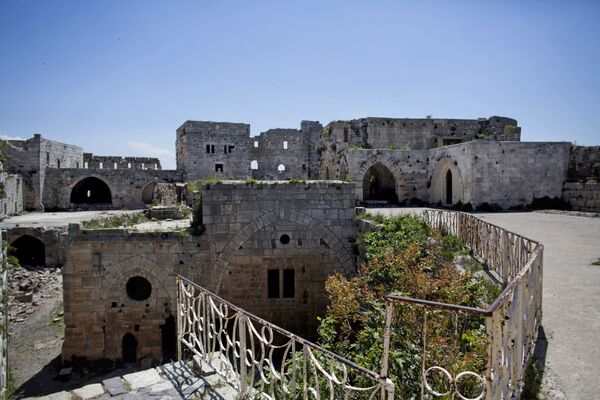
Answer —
(446, 183)
(391, 165)
(269, 218)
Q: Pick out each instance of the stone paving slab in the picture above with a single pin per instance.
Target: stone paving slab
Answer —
(114, 386)
(140, 379)
(89, 392)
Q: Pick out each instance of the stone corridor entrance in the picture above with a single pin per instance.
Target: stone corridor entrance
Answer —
(29, 250)
(91, 191)
(379, 184)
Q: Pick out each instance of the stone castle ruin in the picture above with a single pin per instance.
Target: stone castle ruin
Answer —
(277, 211)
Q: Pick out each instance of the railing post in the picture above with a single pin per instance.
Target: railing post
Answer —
(179, 322)
(243, 372)
(389, 310)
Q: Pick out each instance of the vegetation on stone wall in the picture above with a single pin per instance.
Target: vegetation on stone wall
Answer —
(197, 224)
(405, 257)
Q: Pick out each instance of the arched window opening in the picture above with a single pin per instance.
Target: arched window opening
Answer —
(254, 165)
(448, 187)
(129, 348)
(379, 184)
(281, 168)
(91, 191)
(29, 251)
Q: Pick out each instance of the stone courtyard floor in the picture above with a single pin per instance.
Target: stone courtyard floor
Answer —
(172, 381)
(571, 297)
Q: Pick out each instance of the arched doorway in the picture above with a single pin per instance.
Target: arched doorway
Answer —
(448, 187)
(129, 348)
(91, 191)
(169, 339)
(29, 250)
(379, 184)
(446, 184)
(148, 193)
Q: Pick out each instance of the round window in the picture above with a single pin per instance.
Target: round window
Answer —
(284, 239)
(138, 288)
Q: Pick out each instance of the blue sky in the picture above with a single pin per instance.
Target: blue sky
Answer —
(119, 76)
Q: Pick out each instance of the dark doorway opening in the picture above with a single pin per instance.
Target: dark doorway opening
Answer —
(449, 187)
(29, 250)
(379, 184)
(148, 193)
(129, 348)
(91, 191)
(169, 339)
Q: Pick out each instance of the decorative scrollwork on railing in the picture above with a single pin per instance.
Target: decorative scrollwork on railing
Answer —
(262, 359)
(453, 383)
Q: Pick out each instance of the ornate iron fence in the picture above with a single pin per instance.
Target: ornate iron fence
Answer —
(262, 360)
(511, 321)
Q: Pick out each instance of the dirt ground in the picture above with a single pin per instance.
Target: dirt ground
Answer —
(35, 342)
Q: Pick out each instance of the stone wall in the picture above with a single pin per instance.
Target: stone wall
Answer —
(30, 158)
(584, 163)
(126, 186)
(12, 202)
(582, 196)
(93, 161)
(213, 149)
(305, 227)
(286, 153)
(512, 174)
(243, 240)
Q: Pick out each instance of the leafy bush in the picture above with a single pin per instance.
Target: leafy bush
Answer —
(406, 257)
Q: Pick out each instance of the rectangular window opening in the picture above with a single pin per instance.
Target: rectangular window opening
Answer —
(115, 166)
(285, 144)
(208, 148)
(212, 148)
(289, 283)
(273, 284)
(255, 143)
(218, 167)
(230, 149)
(303, 167)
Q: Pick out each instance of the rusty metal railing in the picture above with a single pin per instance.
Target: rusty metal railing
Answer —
(512, 320)
(262, 360)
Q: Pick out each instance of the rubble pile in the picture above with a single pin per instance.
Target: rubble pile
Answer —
(28, 287)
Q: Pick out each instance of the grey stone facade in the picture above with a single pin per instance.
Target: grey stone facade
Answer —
(12, 202)
(92, 161)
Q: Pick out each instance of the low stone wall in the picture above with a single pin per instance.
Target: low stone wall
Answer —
(582, 196)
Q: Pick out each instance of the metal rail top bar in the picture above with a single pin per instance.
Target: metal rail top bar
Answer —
(479, 219)
(284, 332)
(473, 310)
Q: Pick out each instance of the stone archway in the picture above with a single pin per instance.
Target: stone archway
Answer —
(29, 251)
(91, 190)
(343, 256)
(379, 184)
(446, 183)
(148, 193)
(388, 168)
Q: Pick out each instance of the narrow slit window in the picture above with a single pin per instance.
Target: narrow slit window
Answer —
(289, 284)
(101, 165)
(273, 284)
(208, 148)
(285, 144)
(115, 166)
(212, 148)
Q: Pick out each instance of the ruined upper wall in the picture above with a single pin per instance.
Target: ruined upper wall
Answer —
(91, 161)
(584, 162)
(213, 149)
(287, 153)
(419, 134)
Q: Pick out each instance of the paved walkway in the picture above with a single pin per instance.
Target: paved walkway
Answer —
(571, 298)
(174, 381)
